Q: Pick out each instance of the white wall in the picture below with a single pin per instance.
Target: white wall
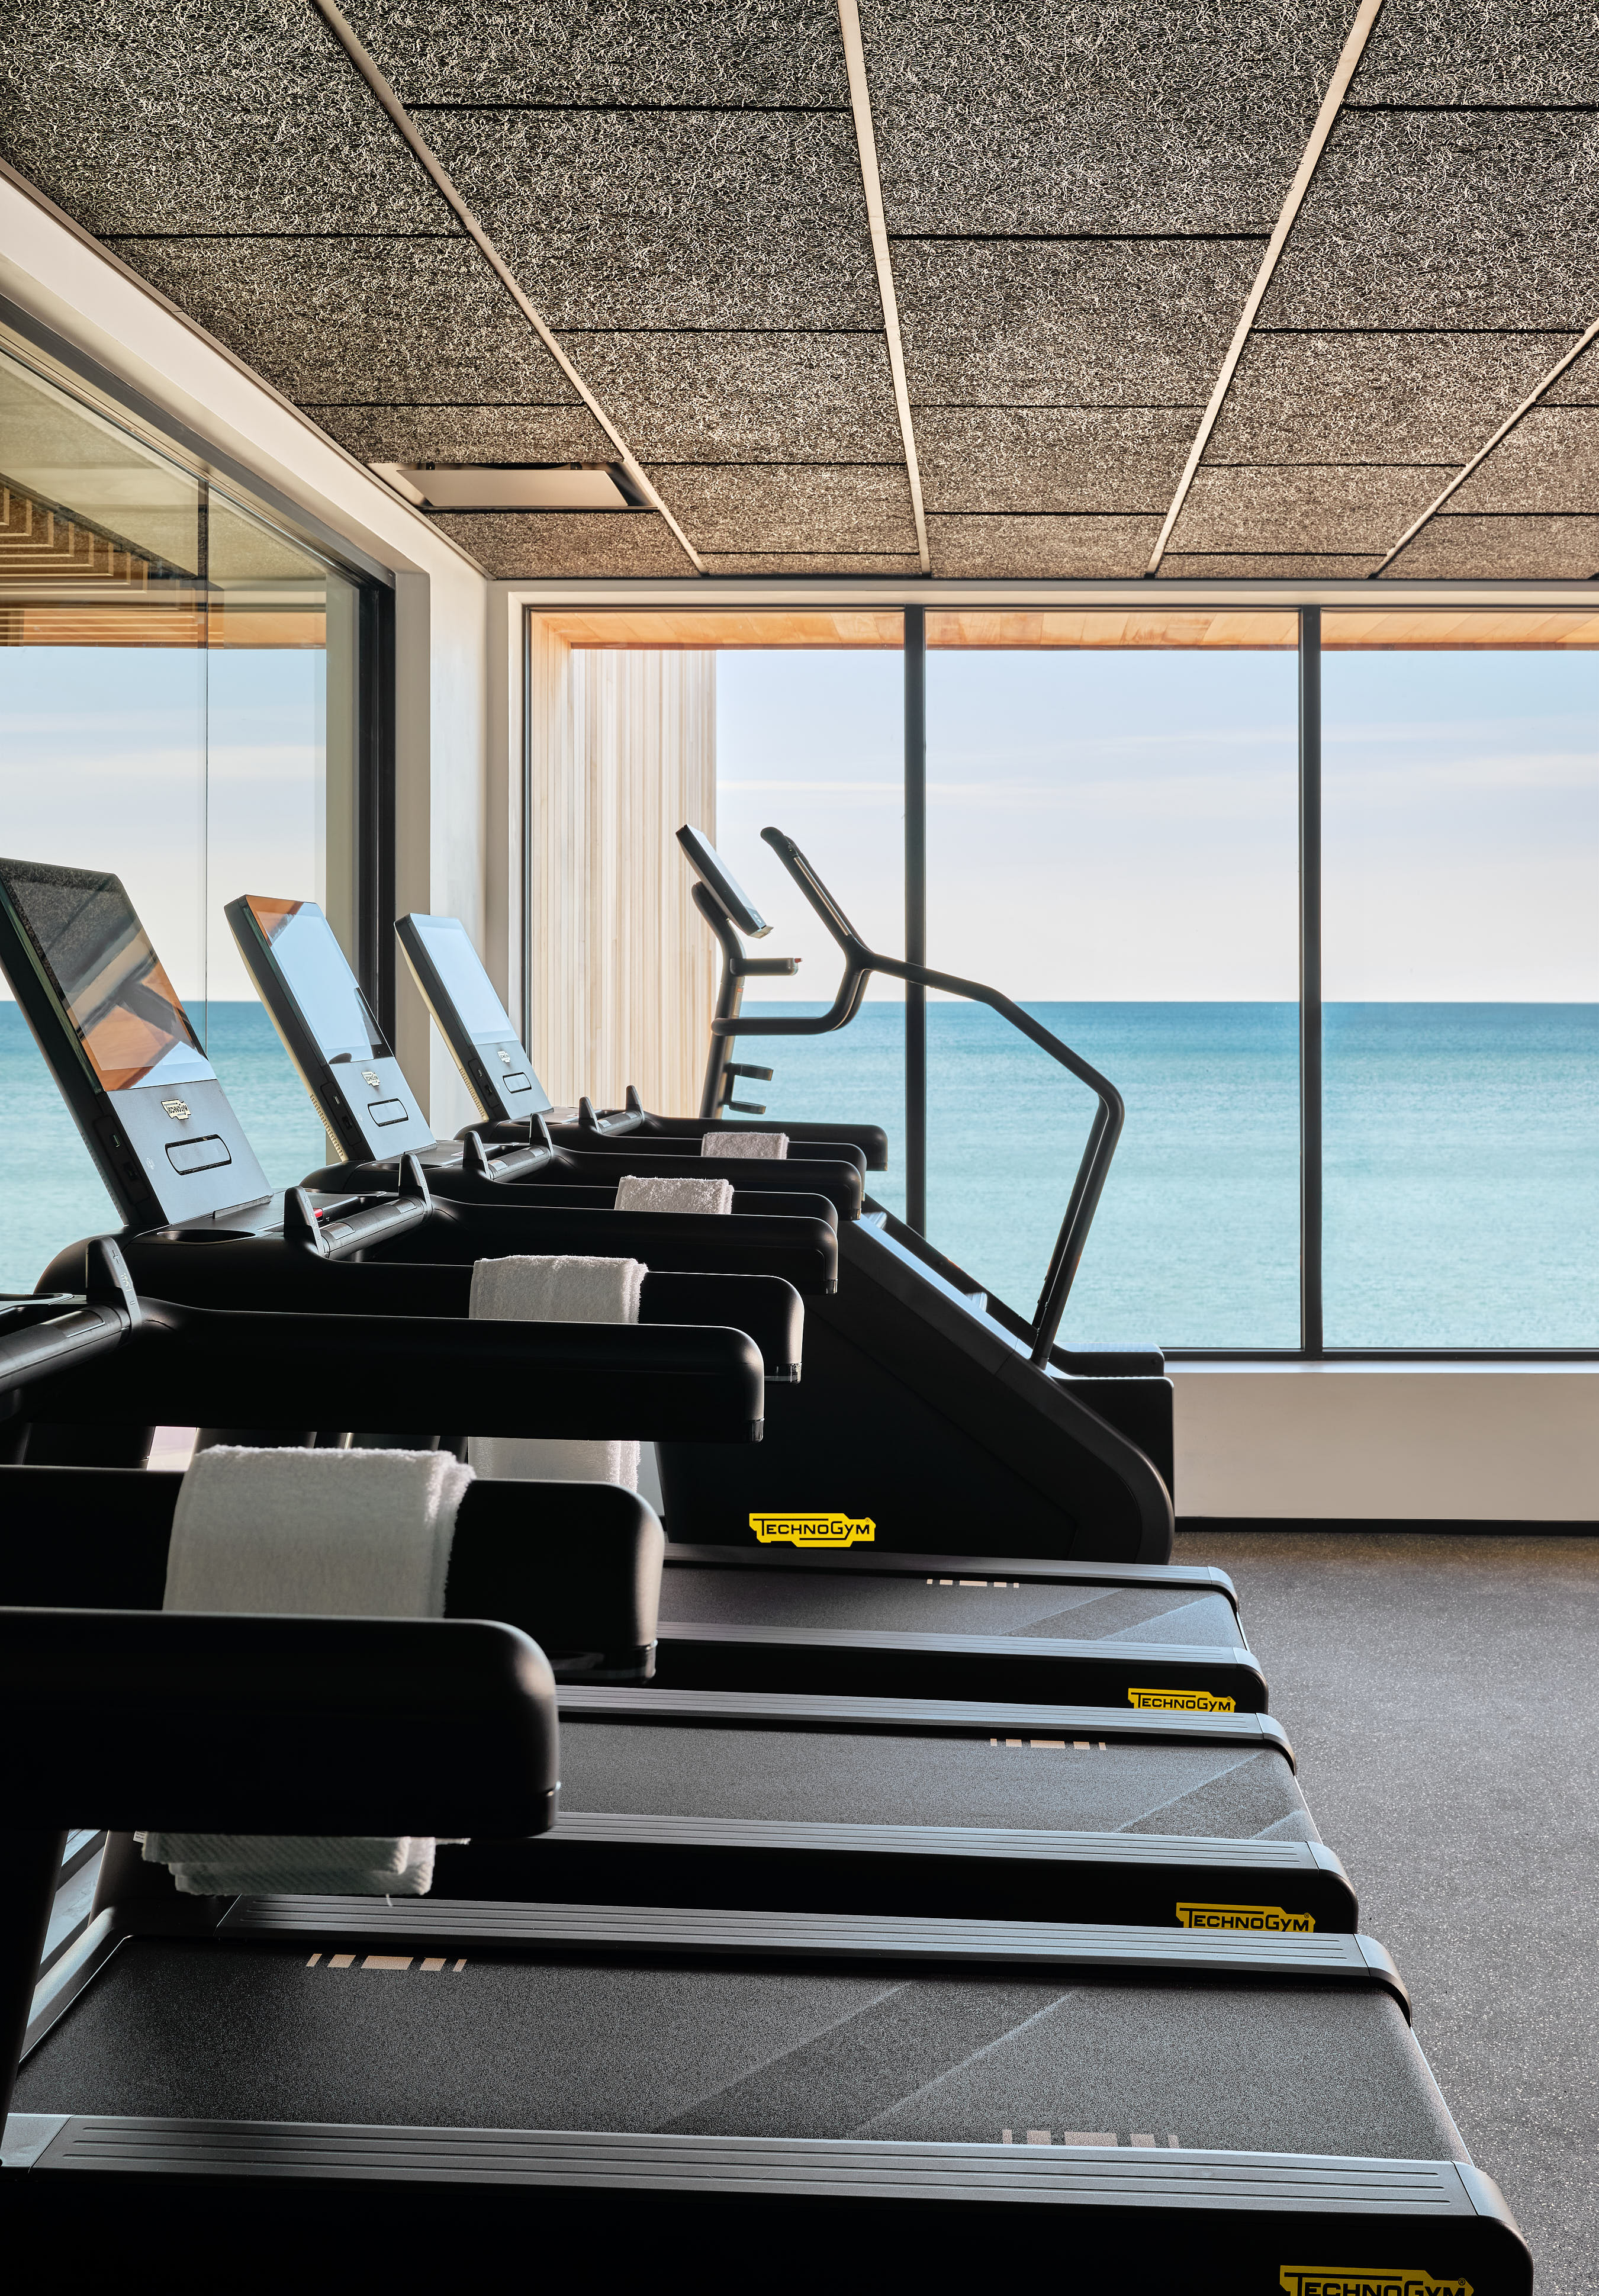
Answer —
(1447, 1442)
(444, 852)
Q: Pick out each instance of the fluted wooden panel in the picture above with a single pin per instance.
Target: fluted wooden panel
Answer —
(624, 979)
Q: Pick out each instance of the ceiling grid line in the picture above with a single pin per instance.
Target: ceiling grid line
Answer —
(1500, 435)
(1332, 104)
(420, 149)
(865, 137)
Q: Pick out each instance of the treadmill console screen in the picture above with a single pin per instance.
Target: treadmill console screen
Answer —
(461, 969)
(98, 959)
(317, 973)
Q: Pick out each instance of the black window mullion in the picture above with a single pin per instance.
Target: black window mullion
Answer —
(1311, 1324)
(915, 917)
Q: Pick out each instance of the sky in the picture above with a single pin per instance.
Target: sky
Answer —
(1106, 827)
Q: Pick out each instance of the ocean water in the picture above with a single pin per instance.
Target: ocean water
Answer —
(1461, 1173)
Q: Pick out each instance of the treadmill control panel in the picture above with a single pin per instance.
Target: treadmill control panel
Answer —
(472, 1020)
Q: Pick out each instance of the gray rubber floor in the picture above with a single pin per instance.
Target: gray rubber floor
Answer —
(1442, 1695)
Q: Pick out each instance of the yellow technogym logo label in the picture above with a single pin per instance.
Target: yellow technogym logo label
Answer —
(1265, 1920)
(813, 1529)
(1182, 1702)
(1325, 2280)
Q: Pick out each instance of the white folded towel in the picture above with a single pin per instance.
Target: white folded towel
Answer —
(772, 1146)
(331, 1534)
(636, 1196)
(561, 1289)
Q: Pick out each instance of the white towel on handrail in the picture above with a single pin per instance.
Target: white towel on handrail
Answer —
(634, 1194)
(771, 1146)
(562, 1288)
(330, 1533)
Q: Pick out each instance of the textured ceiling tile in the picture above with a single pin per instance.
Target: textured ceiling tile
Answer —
(467, 434)
(1068, 324)
(399, 319)
(745, 397)
(1376, 398)
(802, 561)
(598, 51)
(1015, 548)
(201, 116)
(1118, 115)
(1267, 566)
(1309, 510)
(630, 220)
(1482, 52)
(1053, 458)
(510, 544)
(1509, 549)
(1580, 384)
(1447, 220)
(809, 508)
(1549, 462)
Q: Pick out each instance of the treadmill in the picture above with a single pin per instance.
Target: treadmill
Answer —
(173, 1154)
(1231, 2116)
(361, 1094)
(807, 1804)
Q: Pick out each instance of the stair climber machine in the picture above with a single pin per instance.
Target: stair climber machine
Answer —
(316, 2077)
(924, 1432)
(803, 1803)
(203, 1228)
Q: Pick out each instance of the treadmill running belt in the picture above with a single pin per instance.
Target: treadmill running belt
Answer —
(254, 2032)
(837, 1778)
(739, 1598)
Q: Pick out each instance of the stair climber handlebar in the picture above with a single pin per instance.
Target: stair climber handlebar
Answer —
(860, 963)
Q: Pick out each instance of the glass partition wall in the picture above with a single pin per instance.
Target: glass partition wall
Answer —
(1316, 891)
(177, 706)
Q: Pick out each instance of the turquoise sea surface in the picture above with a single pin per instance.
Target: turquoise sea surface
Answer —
(1462, 1165)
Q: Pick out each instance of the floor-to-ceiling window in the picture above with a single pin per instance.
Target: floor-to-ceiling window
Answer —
(1460, 781)
(1203, 846)
(176, 707)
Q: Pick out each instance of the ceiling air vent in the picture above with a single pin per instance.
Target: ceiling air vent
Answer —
(513, 485)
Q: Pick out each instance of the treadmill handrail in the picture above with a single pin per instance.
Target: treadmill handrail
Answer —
(860, 963)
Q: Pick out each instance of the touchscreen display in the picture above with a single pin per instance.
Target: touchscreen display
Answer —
(465, 982)
(127, 1015)
(318, 975)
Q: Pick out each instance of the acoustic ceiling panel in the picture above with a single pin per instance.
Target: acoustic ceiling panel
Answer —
(1550, 461)
(1481, 51)
(806, 507)
(1264, 565)
(217, 116)
(1506, 549)
(466, 434)
(1043, 116)
(1020, 548)
(800, 561)
(719, 397)
(1279, 508)
(639, 219)
(405, 320)
(519, 545)
(1053, 458)
(626, 52)
(1083, 322)
(1385, 398)
(1447, 220)
(1580, 384)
